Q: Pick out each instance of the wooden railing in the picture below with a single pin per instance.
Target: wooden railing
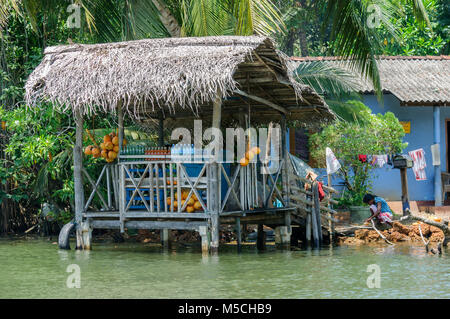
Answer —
(138, 185)
(304, 195)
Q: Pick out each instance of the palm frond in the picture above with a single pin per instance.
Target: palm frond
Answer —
(327, 79)
(204, 18)
(256, 17)
(355, 38)
(419, 11)
(349, 110)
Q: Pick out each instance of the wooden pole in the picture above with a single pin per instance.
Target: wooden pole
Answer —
(215, 196)
(330, 221)
(121, 168)
(308, 227)
(203, 230)
(78, 178)
(405, 195)
(317, 210)
(315, 231)
(261, 238)
(285, 179)
(238, 234)
(161, 131)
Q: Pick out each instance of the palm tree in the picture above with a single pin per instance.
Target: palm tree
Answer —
(351, 35)
(115, 20)
(349, 28)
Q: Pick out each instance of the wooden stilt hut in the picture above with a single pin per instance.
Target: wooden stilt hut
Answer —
(172, 82)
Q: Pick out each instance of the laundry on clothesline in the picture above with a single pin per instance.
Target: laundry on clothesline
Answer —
(362, 158)
(374, 160)
(419, 164)
(333, 164)
(379, 160)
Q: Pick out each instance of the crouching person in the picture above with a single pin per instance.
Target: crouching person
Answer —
(379, 209)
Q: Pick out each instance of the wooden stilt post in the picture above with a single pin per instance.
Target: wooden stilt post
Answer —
(165, 233)
(121, 169)
(308, 228)
(286, 237)
(261, 238)
(238, 234)
(330, 220)
(203, 231)
(405, 195)
(314, 228)
(86, 229)
(215, 196)
(316, 216)
(78, 178)
(282, 237)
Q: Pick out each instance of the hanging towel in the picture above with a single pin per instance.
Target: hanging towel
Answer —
(333, 164)
(379, 160)
(321, 192)
(418, 157)
(362, 158)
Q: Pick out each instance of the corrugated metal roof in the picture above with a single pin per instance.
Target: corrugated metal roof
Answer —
(414, 80)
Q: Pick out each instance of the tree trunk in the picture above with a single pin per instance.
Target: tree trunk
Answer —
(290, 43)
(167, 19)
(303, 41)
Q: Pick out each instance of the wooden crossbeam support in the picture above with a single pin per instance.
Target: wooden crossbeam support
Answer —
(263, 101)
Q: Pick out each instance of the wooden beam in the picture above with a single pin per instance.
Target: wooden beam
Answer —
(121, 169)
(214, 182)
(78, 177)
(263, 101)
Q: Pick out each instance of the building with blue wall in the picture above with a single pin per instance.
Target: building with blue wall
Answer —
(417, 91)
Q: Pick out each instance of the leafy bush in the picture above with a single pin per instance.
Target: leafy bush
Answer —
(372, 135)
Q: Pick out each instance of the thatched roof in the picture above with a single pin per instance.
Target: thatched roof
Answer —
(414, 80)
(173, 77)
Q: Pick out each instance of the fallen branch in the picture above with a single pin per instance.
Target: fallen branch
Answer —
(423, 239)
(30, 229)
(381, 235)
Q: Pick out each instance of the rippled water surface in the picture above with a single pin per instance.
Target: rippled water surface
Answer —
(37, 269)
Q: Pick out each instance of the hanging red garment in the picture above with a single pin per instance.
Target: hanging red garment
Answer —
(362, 158)
(321, 192)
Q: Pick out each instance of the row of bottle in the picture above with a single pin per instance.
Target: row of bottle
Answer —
(161, 152)
(185, 152)
(178, 152)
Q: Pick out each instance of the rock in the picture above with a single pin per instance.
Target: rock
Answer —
(398, 233)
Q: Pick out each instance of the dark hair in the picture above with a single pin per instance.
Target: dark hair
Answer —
(368, 197)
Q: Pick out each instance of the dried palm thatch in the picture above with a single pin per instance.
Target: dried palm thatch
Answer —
(173, 78)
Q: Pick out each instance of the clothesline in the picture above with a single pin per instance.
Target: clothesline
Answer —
(380, 160)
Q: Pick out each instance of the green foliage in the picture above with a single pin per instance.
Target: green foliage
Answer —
(375, 134)
(38, 155)
(414, 38)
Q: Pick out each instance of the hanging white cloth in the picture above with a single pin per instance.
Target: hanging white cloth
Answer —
(379, 160)
(418, 158)
(333, 164)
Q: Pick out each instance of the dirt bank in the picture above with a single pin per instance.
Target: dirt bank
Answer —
(398, 233)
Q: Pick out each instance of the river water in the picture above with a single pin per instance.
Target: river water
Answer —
(37, 269)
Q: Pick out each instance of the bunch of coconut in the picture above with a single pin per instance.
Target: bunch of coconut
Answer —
(249, 155)
(193, 203)
(108, 150)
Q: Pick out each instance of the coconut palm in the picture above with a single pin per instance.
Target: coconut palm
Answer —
(348, 26)
(115, 20)
(352, 36)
